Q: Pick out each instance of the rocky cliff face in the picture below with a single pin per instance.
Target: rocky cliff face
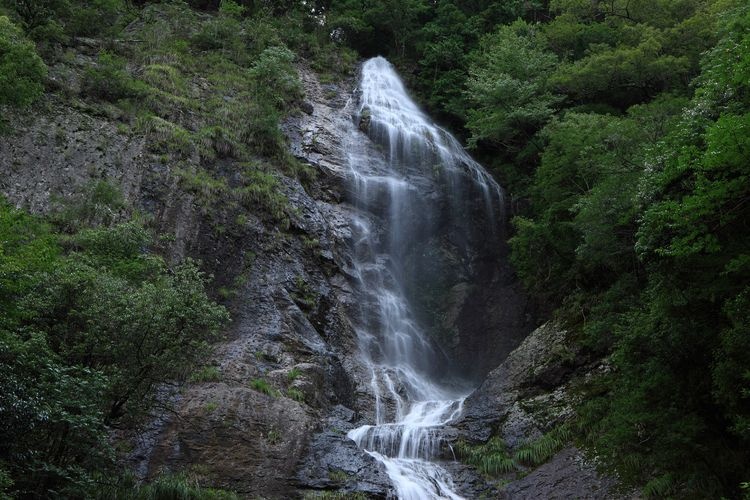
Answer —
(273, 422)
(287, 366)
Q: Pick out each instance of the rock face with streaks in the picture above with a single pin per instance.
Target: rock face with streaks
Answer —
(289, 379)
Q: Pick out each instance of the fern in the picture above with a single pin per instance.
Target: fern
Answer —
(540, 450)
(659, 487)
(490, 458)
(498, 464)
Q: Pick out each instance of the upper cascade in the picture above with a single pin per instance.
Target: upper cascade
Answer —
(411, 138)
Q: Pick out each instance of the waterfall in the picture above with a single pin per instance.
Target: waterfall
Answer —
(421, 183)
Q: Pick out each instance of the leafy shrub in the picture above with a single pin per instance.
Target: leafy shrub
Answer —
(275, 77)
(98, 203)
(22, 71)
(86, 336)
(121, 318)
(260, 33)
(74, 17)
(110, 80)
(95, 17)
(34, 13)
(222, 33)
(52, 427)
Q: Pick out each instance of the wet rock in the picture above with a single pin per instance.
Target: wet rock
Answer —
(307, 107)
(468, 482)
(336, 463)
(236, 438)
(510, 382)
(566, 475)
(365, 118)
(226, 432)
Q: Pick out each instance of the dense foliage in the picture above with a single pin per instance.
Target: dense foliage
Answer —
(21, 70)
(93, 324)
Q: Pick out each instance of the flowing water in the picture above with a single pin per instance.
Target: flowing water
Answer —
(421, 184)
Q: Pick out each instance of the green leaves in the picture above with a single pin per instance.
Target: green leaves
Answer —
(620, 76)
(86, 337)
(679, 404)
(275, 77)
(110, 80)
(22, 71)
(507, 85)
(51, 418)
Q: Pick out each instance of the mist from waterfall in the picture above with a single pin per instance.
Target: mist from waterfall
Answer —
(423, 183)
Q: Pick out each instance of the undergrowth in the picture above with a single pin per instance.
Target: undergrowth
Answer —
(493, 458)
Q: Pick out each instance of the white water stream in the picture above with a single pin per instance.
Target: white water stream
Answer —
(422, 170)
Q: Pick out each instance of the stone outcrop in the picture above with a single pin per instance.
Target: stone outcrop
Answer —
(566, 475)
(529, 394)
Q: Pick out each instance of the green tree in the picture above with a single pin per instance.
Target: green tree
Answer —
(112, 308)
(391, 24)
(624, 75)
(443, 43)
(507, 90)
(22, 71)
(275, 79)
(92, 325)
(676, 418)
(51, 420)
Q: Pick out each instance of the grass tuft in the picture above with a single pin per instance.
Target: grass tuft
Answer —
(262, 385)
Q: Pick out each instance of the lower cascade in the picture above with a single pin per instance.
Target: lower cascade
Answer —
(420, 186)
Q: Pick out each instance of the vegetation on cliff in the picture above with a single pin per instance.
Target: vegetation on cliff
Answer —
(620, 129)
(97, 324)
(93, 325)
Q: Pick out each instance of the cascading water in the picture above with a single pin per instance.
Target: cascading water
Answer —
(421, 184)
